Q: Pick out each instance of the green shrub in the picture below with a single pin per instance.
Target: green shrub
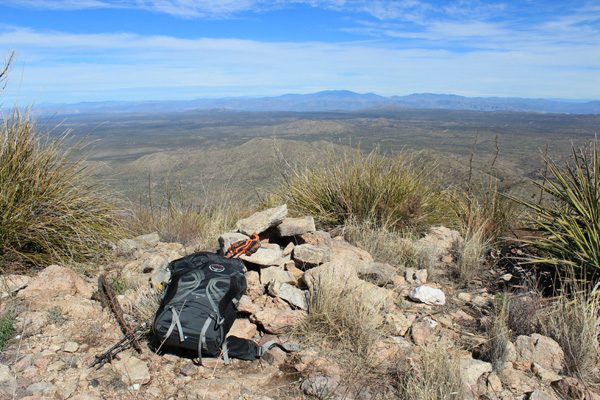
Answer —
(568, 224)
(389, 190)
(51, 212)
(7, 328)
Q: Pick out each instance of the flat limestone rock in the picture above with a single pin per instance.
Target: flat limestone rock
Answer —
(56, 282)
(265, 256)
(311, 254)
(261, 221)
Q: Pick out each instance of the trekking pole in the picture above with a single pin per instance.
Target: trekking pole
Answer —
(127, 340)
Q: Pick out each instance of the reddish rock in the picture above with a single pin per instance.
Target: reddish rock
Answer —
(243, 328)
(56, 282)
(541, 350)
(255, 287)
(246, 305)
(278, 317)
(522, 365)
(275, 356)
(318, 238)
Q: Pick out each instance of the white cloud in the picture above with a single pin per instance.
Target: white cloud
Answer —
(76, 67)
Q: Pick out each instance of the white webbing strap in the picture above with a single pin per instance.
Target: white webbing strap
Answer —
(175, 322)
(225, 352)
(202, 338)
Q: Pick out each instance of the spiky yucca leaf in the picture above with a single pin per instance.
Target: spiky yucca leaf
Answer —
(569, 225)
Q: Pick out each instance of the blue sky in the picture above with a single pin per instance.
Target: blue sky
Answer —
(94, 50)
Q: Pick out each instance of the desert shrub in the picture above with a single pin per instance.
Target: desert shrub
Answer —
(7, 327)
(341, 313)
(51, 211)
(573, 320)
(568, 224)
(437, 376)
(390, 190)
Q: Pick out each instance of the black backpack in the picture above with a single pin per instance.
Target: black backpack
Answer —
(199, 304)
(199, 307)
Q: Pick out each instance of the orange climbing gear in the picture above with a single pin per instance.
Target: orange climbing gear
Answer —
(246, 247)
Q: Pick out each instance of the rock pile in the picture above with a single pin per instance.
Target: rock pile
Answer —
(60, 328)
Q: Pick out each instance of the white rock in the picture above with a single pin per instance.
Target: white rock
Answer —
(428, 295)
(71, 347)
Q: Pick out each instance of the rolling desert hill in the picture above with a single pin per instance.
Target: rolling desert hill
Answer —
(204, 151)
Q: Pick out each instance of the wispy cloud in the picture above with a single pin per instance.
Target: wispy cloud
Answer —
(74, 67)
(402, 46)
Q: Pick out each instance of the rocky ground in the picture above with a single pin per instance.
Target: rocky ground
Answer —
(60, 327)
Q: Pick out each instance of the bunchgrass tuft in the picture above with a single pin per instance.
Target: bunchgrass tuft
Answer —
(51, 211)
(568, 223)
(393, 191)
(177, 219)
(573, 320)
(496, 347)
(437, 376)
(342, 313)
(470, 255)
(384, 244)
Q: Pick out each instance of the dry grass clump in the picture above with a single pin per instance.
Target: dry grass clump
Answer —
(484, 212)
(573, 320)
(179, 221)
(145, 303)
(390, 190)
(495, 349)
(437, 376)
(51, 211)
(470, 255)
(384, 244)
(342, 313)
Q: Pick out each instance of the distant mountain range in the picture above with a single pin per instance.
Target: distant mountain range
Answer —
(333, 100)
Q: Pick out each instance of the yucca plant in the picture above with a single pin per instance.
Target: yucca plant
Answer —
(568, 224)
(390, 190)
(49, 209)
